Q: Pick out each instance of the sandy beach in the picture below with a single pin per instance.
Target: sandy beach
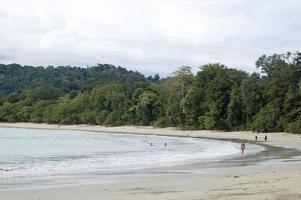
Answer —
(274, 179)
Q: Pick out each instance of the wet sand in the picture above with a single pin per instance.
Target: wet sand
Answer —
(272, 179)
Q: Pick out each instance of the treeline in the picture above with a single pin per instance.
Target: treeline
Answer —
(216, 97)
(16, 78)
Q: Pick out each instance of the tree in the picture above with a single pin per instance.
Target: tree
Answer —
(148, 107)
(235, 114)
(176, 88)
(252, 95)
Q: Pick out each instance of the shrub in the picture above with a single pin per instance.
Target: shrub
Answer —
(294, 127)
(162, 122)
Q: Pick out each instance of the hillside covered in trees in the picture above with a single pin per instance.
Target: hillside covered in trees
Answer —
(216, 97)
(15, 78)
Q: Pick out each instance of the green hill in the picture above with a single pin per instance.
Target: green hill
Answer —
(15, 78)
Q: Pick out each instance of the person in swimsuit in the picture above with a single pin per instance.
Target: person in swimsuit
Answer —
(242, 147)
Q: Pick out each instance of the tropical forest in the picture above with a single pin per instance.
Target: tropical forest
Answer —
(217, 97)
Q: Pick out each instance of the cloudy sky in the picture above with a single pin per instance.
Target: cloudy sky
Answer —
(147, 35)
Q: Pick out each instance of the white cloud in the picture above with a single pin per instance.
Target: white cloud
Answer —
(147, 35)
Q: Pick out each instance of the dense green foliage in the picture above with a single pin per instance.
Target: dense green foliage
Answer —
(15, 78)
(216, 97)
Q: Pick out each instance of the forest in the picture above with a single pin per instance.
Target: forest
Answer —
(215, 98)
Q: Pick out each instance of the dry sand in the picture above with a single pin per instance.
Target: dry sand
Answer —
(278, 180)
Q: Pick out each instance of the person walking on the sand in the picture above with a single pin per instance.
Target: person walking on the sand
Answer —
(242, 147)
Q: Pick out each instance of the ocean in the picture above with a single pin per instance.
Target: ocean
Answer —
(36, 153)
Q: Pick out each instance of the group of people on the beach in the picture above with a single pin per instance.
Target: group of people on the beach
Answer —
(151, 144)
(243, 146)
(265, 138)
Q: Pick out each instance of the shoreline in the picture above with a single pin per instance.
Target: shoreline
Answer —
(280, 139)
(274, 180)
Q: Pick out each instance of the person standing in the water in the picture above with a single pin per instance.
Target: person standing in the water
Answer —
(265, 138)
(242, 147)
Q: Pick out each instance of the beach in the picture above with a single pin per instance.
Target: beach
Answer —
(273, 179)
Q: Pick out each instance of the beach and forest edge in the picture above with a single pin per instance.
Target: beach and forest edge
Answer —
(150, 100)
(274, 166)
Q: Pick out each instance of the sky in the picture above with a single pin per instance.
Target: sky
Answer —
(150, 36)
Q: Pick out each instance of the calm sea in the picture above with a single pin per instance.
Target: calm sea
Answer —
(28, 153)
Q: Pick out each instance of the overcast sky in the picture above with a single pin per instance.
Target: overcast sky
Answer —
(147, 35)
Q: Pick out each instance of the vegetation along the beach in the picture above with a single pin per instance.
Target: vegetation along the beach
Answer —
(217, 97)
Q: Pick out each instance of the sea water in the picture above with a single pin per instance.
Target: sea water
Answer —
(39, 152)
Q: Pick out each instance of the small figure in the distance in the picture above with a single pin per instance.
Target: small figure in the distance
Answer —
(256, 138)
(165, 144)
(151, 144)
(265, 138)
(242, 147)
